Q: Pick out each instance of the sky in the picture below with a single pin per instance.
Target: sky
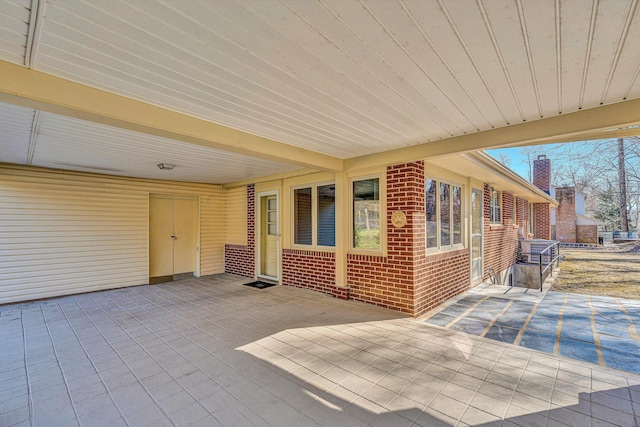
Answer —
(518, 161)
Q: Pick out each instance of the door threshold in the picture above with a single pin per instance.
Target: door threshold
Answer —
(171, 278)
(269, 279)
(182, 276)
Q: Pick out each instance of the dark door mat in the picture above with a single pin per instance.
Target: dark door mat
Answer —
(259, 284)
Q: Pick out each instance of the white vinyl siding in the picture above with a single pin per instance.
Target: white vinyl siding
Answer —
(66, 232)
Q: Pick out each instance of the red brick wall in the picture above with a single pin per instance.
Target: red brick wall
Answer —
(500, 241)
(240, 259)
(566, 215)
(310, 269)
(440, 277)
(542, 173)
(541, 214)
(389, 281)
(587, 234)
(542, 221)
(382, 281)
(407, 279)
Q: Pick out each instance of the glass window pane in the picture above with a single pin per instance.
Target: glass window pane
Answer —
(445, 214)
(273, 216)
(431, 213)
(476, 211)
(476, 241)
(272, 204)
(366, 214)
(302, 220)
(327, 215)
(494, 213)
(273, 229)
(456, 203)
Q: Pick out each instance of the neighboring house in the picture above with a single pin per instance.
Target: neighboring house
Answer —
(568, 221)
(406, 236)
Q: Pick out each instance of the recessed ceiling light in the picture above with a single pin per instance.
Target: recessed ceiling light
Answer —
(167, 166)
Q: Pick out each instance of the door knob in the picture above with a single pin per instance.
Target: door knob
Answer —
(174, 237)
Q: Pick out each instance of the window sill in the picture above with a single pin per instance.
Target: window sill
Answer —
(312, 248)
(496, 227)
(436, 251)
(365, 252)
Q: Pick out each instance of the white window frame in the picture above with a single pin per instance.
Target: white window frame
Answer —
(314, 217)
(492, 220)
(383, 214)
(531, 216)
(452, 246)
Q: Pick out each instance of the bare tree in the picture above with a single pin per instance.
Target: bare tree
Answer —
(529, 154)
(622, 185)
(504, 159)
(593, 168)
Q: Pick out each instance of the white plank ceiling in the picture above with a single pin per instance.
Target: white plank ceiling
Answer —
(340, 77)
(72, 144)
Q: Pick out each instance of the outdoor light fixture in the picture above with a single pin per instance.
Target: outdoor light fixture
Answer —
(167, 166)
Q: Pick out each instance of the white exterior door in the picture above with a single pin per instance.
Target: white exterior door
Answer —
(269, 237)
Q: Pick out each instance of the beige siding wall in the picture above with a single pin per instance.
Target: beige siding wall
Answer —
(237, 216)
(212, 232)
(66, 232)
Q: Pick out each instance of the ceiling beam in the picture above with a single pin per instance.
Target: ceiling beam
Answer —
(34, 89)
(35, 132)
(267, 178)
(590, 136)
(563, 128)
(33, 35)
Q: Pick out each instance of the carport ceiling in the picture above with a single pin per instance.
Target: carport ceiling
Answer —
(343, 78)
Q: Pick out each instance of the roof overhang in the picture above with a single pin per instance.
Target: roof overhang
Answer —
(242, 90)
(44, 92)
(483, 167)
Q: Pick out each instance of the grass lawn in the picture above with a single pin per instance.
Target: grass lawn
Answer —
(611, 271)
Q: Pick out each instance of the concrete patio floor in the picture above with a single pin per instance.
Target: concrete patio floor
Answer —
(212, 352)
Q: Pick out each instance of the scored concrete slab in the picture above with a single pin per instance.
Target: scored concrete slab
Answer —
(212, 352)
(594, 329)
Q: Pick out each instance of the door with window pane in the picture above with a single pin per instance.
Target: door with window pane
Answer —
(476, 235)
(269, 237)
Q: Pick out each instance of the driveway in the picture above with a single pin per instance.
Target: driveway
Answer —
(211, 352)
(595, 329)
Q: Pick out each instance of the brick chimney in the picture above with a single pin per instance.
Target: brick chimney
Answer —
(542, 173)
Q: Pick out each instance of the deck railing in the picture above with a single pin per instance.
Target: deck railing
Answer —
(552, 257)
